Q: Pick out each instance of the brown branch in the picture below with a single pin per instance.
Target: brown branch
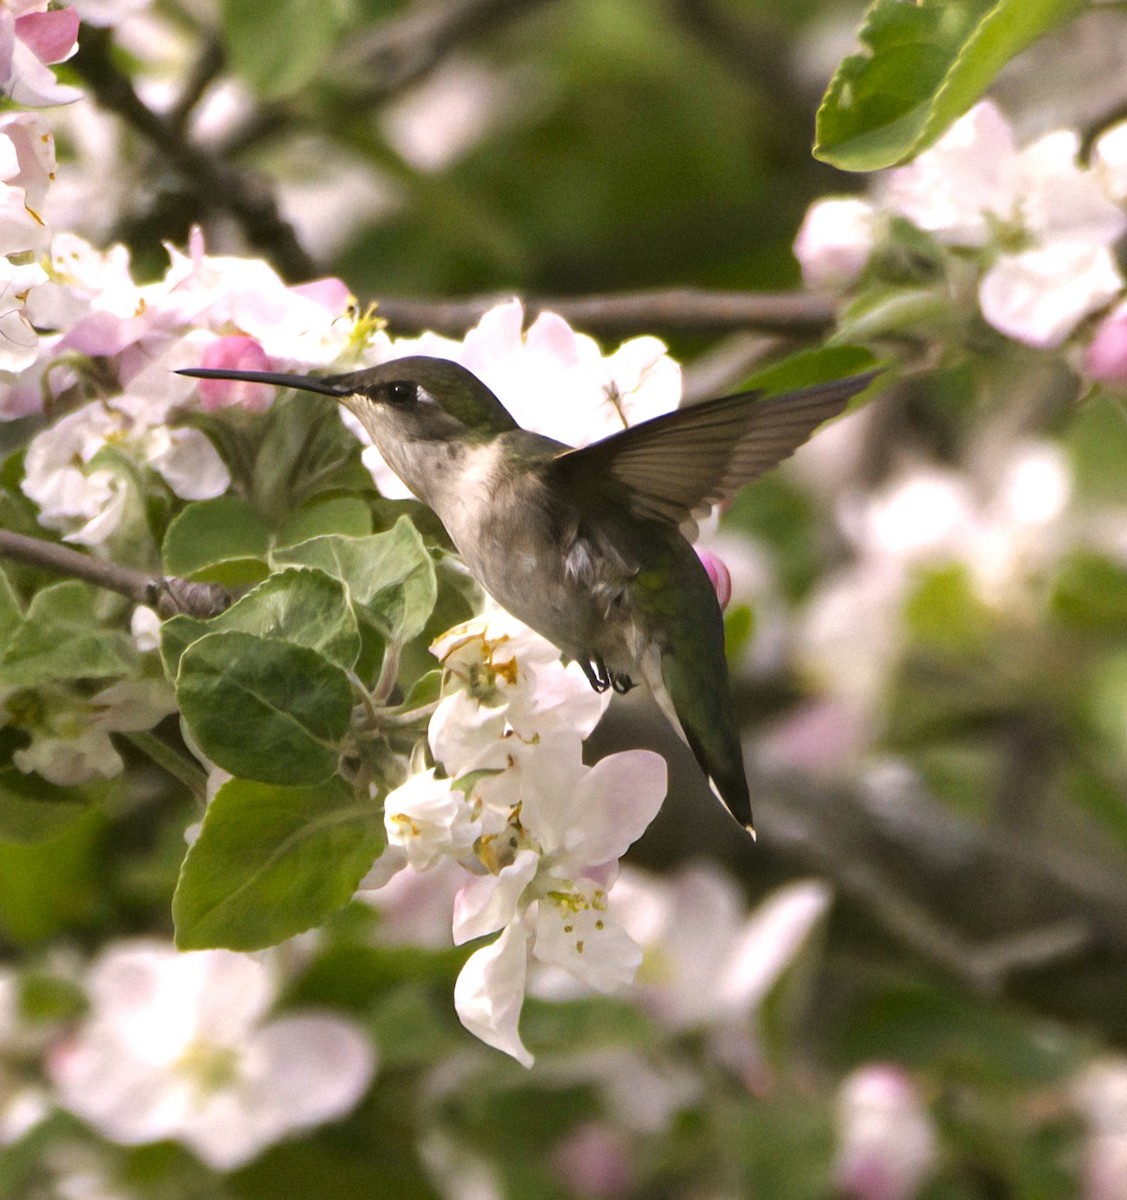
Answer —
(170, 596)
(1004, 914)
(675, 310)
(215, 185)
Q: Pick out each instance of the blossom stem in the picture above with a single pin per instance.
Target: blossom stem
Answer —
(173, 762)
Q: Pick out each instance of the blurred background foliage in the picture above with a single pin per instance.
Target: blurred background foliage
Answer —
(976, 838)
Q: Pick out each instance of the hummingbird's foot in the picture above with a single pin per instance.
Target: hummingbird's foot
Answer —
(601, 678)
(597, 674)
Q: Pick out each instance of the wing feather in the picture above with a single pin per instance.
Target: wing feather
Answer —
(677, 465)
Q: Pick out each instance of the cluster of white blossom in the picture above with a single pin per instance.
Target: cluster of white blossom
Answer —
(539, 832)
(1037, 224)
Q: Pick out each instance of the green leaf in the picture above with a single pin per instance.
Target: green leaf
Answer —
(278, 46)
(264, 709)
(925, 64)
(221, 540)
(301, 605)
(62, 638)
(176, 635)
(271, 862)
(11, 615)
(33, 810)
(943, 611)
(1091, 593)
(348, 515)
(389, 575)
(807, 367)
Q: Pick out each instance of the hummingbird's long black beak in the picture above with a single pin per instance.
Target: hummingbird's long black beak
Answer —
(305, 383)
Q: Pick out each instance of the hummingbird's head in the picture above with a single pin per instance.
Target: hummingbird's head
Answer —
(416, 399)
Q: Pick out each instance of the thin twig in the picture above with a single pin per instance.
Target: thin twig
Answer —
(399, 52)
(673, 310)
(170, 595)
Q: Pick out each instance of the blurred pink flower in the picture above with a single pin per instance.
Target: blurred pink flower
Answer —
(594, 1161)
(184, 1046)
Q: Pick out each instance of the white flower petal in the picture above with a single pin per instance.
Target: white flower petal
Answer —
(489, 993)
(574, 931)
(1039, 296)
(969, 177)
(486, 903)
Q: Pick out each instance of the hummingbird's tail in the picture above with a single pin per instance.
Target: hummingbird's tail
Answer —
(697, 705)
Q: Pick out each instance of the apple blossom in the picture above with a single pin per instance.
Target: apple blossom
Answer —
(694, 927)
(718, 575)
(1048, 222)
(500, 675)
(594, 1160)
(184, 1046)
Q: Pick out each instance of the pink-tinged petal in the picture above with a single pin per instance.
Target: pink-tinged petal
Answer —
(617, 799)
(7, 44)
(331, 293)
(969, 176)
(486, 903)
(33, 83)
(551, 334)
(1105, 357)
(235, 353)
(52, 36)
(295, 1072)
(33, 145)
(718, 575)
(489, 992)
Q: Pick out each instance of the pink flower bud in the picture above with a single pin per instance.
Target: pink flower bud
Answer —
(718, 574)
(1105, 358)
(886, 1143)
(235, 353)
(834, 242)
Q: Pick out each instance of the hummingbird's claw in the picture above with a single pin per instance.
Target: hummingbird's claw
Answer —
(601, 678)
(597, 674)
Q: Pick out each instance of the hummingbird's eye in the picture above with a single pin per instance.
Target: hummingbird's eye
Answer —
(402, 392)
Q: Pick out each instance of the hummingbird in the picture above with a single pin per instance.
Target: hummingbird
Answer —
(587, 546)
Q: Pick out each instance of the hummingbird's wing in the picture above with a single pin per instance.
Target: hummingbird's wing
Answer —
(678, 465)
